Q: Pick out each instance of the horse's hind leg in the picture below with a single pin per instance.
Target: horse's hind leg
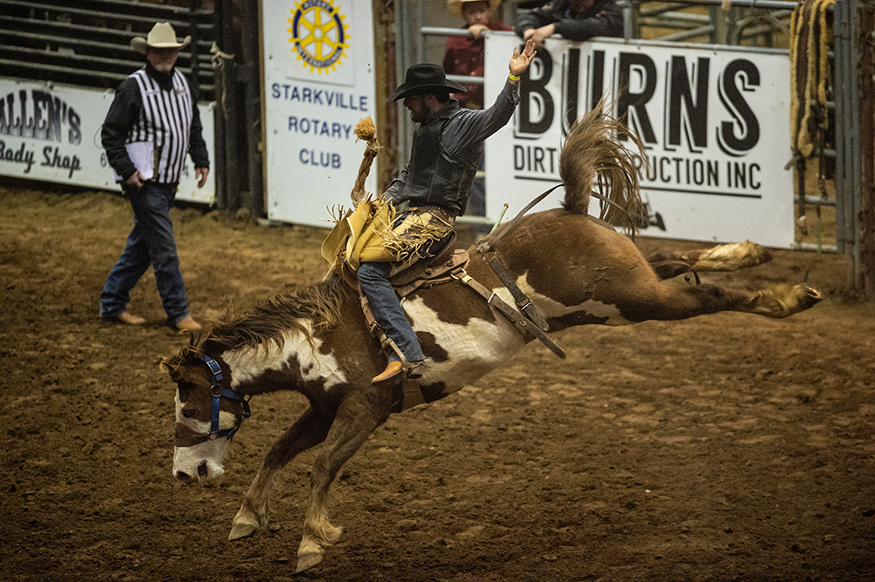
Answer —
(782, 300)
(683, 302)
(354, 422)
(776, 301)
(729, 257)
(308, 431)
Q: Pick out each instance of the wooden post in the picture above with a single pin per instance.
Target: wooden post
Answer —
(865, 69)
(228, 104)
(386, 81)
(254, 198)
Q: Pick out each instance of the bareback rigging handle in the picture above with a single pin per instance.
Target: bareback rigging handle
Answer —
(484, 247)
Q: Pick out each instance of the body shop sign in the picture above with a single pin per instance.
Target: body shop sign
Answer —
(715, 124)
(41, 133)
(51, 133)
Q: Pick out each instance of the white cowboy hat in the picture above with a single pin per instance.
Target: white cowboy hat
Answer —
(455, 6)
(162, 35)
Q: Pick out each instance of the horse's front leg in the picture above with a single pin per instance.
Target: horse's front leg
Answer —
(356, 419)
(308, 431)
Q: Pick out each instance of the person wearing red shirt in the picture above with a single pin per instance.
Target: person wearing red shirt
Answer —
(465, 54)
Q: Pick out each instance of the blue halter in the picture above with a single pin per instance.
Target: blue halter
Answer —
(217, 392)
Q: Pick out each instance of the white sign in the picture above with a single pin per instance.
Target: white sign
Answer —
(51, 133)
(318, 84)
(714, 122)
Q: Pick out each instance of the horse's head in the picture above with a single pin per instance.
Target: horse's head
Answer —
(208, 413)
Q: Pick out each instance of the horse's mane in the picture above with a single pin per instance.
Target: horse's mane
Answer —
(593, 156)
(270, 321)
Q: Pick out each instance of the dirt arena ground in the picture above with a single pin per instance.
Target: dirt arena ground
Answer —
(723, 448)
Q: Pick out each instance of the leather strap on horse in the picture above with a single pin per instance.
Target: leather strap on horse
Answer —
(408, 393)
(522, 301)
(673, 268)
(376, 330)
(373, 327)
(485, 247)
(522, 323)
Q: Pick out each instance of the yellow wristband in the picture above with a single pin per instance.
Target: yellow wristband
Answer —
(512, 77)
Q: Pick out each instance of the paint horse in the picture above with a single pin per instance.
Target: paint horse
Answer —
(575, 270)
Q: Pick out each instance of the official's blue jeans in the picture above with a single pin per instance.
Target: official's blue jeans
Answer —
(374, 281)
(151, 242)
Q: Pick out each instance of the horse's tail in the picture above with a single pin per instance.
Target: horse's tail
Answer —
(594, 157)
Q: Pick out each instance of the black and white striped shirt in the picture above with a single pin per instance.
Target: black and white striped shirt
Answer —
(164, 121)
(159, 108)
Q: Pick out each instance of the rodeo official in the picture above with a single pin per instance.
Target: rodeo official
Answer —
(152, 124)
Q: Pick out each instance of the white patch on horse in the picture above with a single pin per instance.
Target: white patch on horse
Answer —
(250, 362)
(473, 349)
(188, 459)
(552, 308)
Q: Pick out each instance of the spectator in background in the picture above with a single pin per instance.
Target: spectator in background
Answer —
(572, 20)
(465, 55)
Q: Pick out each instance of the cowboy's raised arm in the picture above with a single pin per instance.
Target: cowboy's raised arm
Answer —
(521, 61)
(472, 127)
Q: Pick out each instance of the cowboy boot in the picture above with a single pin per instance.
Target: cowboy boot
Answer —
(392, 370)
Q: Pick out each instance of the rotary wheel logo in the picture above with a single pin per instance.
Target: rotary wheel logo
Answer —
(318, 34)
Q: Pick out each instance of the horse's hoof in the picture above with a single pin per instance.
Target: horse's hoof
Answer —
(751, 254)
(241, 530)
(310, 553)
(808, 296)
(307, 561)
(782, 300)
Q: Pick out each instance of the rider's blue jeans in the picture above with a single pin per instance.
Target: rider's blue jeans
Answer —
(151, 242)
(374, 281)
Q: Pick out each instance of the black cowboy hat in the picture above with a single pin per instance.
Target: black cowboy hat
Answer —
(422, 77)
